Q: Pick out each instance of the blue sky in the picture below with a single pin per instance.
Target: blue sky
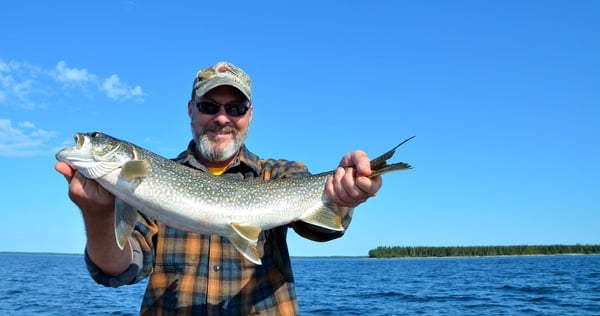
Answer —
(503, 96)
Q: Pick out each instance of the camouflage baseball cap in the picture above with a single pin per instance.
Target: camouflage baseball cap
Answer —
(222, 74)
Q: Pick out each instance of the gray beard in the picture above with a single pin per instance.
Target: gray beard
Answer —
(208, 152)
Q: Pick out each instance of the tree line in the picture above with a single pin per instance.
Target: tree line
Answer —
(470, 251)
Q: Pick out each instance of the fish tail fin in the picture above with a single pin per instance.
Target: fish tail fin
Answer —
(380, 165)
(325, 216)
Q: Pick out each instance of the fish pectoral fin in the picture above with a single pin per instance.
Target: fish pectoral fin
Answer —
(125, 218)
(248, 232)
(135, 169)
(325, 216)
(99, 170)
(246, 247)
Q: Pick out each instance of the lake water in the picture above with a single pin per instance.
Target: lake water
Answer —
(41, 284)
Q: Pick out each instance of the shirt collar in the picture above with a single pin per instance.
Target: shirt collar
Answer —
(245, 158)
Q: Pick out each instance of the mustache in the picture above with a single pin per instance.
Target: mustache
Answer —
(219, 129)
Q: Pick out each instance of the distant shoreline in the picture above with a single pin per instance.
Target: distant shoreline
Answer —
(482, 251)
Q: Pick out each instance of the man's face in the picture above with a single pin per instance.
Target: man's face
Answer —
(219, 136)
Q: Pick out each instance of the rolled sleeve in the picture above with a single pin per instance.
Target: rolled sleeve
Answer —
(129, 276)
(142, 261)
(315, 233)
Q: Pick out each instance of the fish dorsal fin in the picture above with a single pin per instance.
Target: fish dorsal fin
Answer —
(125, 218)
(244, 238)
(135, 169)
(324, 216)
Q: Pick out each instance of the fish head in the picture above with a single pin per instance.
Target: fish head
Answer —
(95, 154)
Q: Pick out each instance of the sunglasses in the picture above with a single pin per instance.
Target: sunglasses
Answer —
(212, 107)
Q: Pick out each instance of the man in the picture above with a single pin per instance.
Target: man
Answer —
(204, 274)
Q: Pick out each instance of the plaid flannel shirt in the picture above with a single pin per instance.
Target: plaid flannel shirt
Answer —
(204, 274)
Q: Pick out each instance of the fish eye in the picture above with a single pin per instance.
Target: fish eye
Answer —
(95, 134)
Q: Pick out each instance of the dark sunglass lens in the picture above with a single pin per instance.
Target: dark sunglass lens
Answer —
(232, 109)
(207, 107)
(236, 109)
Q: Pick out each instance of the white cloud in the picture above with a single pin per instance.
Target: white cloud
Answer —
(115, 89)
(27, 124)
(112, 86)
(17, 82)
(72, 75)
(28, 86)
(4, 67)
(24, 140)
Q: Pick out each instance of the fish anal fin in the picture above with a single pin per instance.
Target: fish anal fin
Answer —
(125, 218)
(246, 247)
(324, 216)
(135, 169)
(248, 232)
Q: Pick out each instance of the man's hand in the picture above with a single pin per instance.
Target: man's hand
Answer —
(87, 194)
(351, 185)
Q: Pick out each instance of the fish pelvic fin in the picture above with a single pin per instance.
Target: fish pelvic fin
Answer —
(380, 165)
(125, 218)
(245, 239)
(325, 216)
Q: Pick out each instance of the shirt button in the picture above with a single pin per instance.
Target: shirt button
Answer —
(217, 268)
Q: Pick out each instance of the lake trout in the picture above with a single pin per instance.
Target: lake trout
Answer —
(196, 201)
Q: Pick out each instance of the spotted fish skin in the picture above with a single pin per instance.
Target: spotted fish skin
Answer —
(196, 201)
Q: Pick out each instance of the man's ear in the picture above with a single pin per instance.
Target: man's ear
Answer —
(190, 108)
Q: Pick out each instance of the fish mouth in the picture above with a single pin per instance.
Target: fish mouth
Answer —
(70, 154)
(79, 140)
